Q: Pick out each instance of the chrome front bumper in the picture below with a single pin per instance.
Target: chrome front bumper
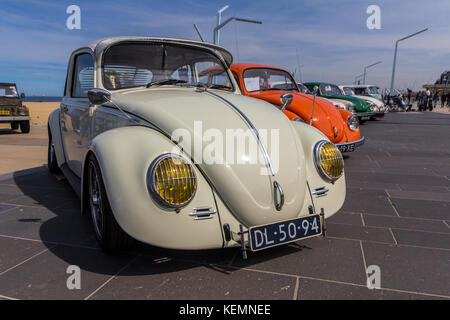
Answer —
(350, 146)
(10, 118)
(364, 115)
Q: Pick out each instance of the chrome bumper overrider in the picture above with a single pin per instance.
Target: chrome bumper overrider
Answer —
(18, 118)
(350, 146)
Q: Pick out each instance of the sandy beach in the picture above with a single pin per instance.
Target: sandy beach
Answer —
(39, 112)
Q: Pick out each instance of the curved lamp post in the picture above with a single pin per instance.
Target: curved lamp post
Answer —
(395, 54)
(365, 68)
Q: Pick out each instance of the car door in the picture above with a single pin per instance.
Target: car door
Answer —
(76, 121)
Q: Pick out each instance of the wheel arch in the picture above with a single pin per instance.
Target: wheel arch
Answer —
(54, 131)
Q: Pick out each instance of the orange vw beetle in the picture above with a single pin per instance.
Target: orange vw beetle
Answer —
(270, 84)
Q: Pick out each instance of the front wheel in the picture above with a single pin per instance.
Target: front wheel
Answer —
(25, 126)
(14, 125)
(109, 234)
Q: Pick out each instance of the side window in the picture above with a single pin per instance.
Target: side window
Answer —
(83, 75)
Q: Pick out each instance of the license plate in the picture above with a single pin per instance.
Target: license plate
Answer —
(347, 147)
(365, 118)
(5, 112)
(262, 237)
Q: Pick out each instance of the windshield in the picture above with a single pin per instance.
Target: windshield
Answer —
(361, 91)
(262, 79)
(9, 91)
(373, 90)
(330, 89)
(348, 91)
(139, 64)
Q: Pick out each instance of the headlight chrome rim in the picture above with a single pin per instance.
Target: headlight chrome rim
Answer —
(351, 125)
(337, 159)
(152, 179)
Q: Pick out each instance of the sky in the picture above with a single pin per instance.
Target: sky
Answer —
(325, 40)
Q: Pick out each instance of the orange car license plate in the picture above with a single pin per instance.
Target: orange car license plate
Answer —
(5, 112)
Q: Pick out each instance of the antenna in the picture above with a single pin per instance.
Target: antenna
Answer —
(298, 65)
(236, 39)
(198, 32)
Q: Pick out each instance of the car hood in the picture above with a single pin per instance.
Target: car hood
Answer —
(360, 105)
(326, 117)
(247, 192)
(368, 99)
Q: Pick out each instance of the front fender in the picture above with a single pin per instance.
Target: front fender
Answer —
(334, 199)
(124, 155)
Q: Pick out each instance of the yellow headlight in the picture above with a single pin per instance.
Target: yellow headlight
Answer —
(329, 161)
(172, 180)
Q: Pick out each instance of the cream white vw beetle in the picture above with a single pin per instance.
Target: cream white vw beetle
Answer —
(122, 137)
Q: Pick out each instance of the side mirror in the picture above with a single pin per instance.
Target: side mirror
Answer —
(286, 99)
(98, 96)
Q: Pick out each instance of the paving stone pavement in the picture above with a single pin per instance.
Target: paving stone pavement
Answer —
(396, 216)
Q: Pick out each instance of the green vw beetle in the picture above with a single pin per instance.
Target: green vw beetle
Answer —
(360, 108)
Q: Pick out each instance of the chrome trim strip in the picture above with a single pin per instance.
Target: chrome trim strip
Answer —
(202, 213)
(357, 143)
(320, 192)
(14, 118)
(250, 124)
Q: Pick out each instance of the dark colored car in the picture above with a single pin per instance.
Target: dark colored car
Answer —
(11, 108)
(361, 109)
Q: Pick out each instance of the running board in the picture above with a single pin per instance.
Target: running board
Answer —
(74, 181)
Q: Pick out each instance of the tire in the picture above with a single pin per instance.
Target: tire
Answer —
(52, 164)
(109, 234)
(14, 125)
(25, 126)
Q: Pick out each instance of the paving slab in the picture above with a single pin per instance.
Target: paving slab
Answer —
(346, 218)
(14, 251)
(321, 258)
(149, 278)
(423, 239)
(359, 233)
(45, 276)
(405, 223)
(367, 201)
(311, 289)
(413, 269)
(56, 226)
(439, 210)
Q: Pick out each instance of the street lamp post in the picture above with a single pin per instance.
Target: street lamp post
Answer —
(395, 54)
(367, 67)
(221, 25)
(219, 17)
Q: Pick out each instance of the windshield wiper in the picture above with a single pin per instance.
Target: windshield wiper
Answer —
(218, 86)
(268, 89)
(165, 81)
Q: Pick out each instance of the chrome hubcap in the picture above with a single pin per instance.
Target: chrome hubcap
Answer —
(95, 201)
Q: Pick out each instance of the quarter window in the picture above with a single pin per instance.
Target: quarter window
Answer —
(83, 75)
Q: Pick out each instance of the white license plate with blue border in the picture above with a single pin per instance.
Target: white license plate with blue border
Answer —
(262, 237)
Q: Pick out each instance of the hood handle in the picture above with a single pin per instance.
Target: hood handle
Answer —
(277, 189)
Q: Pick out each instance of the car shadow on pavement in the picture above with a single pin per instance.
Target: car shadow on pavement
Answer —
(51, 213)
(9, 131)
